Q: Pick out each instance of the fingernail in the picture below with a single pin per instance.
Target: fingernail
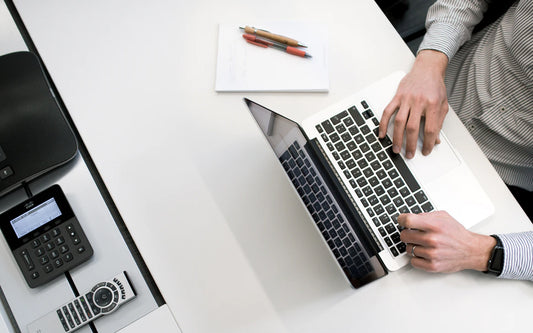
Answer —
(409, 155)
(396, 149)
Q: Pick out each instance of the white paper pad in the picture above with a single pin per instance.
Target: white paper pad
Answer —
(245, 67)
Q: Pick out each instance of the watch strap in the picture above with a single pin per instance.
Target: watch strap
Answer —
(495, 263)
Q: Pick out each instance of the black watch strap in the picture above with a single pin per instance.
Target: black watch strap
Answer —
(495, 263)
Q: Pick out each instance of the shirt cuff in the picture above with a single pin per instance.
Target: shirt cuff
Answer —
(518, 256)
(445, 38)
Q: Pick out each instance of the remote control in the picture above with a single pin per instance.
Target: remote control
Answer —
(104, 298)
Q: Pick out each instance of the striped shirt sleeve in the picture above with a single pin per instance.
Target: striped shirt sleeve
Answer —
(450, 23)
(518, 256)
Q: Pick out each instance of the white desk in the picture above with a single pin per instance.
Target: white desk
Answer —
(226, 239)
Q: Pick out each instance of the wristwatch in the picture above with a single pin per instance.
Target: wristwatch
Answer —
(495, 263)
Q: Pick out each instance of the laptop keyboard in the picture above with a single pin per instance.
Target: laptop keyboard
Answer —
(325, 212)
(379, 177)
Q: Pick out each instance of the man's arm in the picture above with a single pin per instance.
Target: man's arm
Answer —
(422, 92)
(443, 245)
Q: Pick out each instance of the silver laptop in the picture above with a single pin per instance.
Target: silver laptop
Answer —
(354, 186)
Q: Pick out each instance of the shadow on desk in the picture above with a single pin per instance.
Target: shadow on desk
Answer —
(273, 229)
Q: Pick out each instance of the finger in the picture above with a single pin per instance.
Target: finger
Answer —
(413, 236)
(418, 252)
(414, 221)
(387, 114)
(399, 127)
(412, 130)
(421, 263)
(431, 134)
(434, 119)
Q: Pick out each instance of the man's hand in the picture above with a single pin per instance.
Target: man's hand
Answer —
(442, 244)
(421, 93)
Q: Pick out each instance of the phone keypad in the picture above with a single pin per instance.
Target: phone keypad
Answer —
(54, 252)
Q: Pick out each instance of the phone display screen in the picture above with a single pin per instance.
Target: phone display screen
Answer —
(35, 217)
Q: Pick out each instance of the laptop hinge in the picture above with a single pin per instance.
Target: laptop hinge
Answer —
(344, 198)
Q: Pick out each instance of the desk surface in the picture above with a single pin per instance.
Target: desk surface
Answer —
(226, 239)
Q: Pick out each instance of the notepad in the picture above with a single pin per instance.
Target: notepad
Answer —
(245, 67)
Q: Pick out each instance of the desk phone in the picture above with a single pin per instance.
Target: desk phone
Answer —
(45, 236)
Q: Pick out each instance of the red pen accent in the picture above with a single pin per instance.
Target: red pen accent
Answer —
(252, 39)
(258, 44)
(295, 51)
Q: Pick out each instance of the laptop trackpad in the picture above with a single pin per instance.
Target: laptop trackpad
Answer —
(441, 161)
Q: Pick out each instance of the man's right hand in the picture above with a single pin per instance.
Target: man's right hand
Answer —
(421, 93)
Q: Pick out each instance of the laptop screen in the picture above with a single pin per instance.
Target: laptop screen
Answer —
(280, 132)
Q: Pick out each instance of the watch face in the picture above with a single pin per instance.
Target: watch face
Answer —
(496, 264)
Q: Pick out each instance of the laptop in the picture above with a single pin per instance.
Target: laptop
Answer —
(354, 186)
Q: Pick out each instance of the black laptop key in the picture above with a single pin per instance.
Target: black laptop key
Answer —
(357, 154)
(367, 191)
(416, 210)
(401, 247)
(376, 147)
(370, 138)
(410, 201)
(421, 197)
(340, 128)
(346, 137)
(334, 137)
(427, 207)
(345, 155)
(362, 163)
(368, 114)
(328, 127)
(379, 190)
(364, 104)
(396, 238)
(391, 229)
(337, 119)
(356, 173)
(356, 116)
(348, 121)
(386, 141)
(370, 156)
(373, 181)
(293, 152)
(359, 139)
(368, 172)
(404, 170)
(351, 146)
(340, 146)
(381, 174)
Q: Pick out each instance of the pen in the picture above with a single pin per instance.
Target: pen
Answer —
(252, 39)
(274, 37)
